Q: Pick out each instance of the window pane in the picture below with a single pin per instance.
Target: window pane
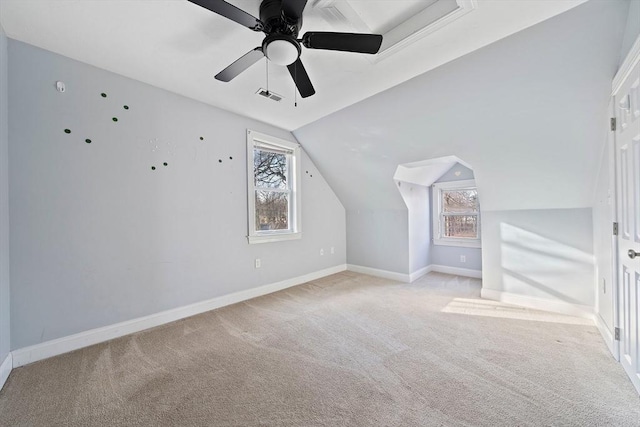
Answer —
(269, 169)
(460, 201)
(461, 226)
(272, 210)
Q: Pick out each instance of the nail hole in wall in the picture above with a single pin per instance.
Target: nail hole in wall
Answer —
(88, 141)
(67, 131)
(104, 95)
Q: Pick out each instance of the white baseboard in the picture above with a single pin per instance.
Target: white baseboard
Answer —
(5, 369)
(457, 271)
(58, 346)
(409, 278)
(385, 274)
(419, 273)
(607, 336)
(539, 303)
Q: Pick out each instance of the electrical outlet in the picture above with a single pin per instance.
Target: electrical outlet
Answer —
(333, 250)
(258, 263)
(321, 252)
(463, 258)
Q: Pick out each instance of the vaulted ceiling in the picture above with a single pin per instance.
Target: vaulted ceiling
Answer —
(179, 46)
(528, 114)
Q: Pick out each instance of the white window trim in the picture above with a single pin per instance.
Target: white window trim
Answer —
(437, 208)
(295, 232)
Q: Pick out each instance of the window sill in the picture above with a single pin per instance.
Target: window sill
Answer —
(459, 243)
(268, 238)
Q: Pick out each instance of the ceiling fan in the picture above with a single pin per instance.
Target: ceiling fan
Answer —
(281, 21)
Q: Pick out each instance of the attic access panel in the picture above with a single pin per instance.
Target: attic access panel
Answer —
(401, 23)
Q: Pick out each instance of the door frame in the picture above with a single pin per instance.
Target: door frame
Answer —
(630, 62)
(612, 215)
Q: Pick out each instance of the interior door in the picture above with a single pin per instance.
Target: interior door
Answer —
(627, 101)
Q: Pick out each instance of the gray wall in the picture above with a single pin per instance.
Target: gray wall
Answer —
(603, 217)
(525, 112)
(378, 239)
(416, 197)
(464, 174)
(5, 311)
(449, 256)
(99, 238)
(546, 253)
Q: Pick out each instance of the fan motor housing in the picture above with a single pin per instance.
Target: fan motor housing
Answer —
(281, 49)
(275, 21)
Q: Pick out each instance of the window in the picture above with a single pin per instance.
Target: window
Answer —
(456, 214)
(273, 193)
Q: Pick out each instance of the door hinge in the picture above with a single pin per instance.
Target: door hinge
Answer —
(615, 228)
(613, 123)
(616, 333)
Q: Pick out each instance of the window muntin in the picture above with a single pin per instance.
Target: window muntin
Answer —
(456, 214)
(274, 197)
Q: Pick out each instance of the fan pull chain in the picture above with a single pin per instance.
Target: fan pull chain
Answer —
(295, 86)
(267, 62)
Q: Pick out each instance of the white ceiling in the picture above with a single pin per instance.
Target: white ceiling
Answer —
(178, 46)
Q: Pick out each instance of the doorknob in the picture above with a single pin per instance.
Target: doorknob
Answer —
(633, 254)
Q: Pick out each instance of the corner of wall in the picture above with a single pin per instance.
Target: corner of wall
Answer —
(5, 312)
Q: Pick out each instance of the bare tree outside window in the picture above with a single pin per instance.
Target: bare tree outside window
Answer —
(460, 213)
(272, 190)
(269, 169)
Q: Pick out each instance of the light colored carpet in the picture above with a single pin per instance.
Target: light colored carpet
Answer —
(346, 350)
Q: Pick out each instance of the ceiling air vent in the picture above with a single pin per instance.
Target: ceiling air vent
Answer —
(268, 94)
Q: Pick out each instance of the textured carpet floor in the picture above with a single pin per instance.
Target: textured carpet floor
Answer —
(346, 350)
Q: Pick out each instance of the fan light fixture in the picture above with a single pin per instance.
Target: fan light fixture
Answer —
(282, 52)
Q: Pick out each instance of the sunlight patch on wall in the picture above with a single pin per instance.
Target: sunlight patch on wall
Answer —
(530, 260)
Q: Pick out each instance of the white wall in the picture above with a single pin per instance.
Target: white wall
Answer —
(4, 202)
(544, 253)
(99, 238)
